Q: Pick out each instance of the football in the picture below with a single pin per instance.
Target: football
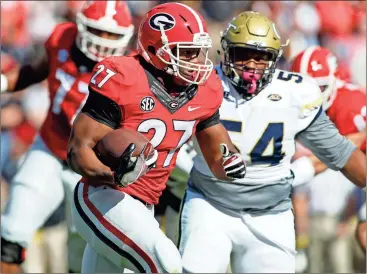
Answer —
(110, 147)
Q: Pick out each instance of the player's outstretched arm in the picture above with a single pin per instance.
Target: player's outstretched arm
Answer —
(361, 228)
(361, 235)
(355, 168)
(86, 132)
(356, 138)
(325, 141)
(220, 154)
(21, 77)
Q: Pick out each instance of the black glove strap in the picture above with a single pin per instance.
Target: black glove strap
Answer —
(11, 253)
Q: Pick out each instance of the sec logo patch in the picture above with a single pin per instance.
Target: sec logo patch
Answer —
(275, 97)
(147, 104)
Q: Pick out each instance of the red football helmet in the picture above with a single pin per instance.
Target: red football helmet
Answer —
(109, 16)
(168, 29)
(321, 64)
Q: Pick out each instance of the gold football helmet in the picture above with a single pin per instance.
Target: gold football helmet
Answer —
(252, 47)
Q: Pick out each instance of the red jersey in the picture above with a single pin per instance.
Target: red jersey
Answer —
(68, 89)
(26, 132)
(348, 111)
(147, 107)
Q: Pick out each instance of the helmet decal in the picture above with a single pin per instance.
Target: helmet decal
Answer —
(164, 19)
(173, 37)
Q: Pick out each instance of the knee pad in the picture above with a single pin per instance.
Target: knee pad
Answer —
(12, 253)
(168, 256)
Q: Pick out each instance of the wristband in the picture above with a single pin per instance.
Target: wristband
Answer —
(4, 83)
(303, 170)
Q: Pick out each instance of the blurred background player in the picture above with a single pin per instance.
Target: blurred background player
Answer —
(264, 110)
(23, 115)
(27, 24)
(345, 104)
(103, 28)
(361, 227)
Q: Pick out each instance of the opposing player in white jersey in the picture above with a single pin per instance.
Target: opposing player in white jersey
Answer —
(249, 222)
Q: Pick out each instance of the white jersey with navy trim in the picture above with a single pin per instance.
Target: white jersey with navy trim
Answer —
(264, 130)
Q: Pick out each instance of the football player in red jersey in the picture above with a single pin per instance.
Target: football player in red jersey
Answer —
(103, 28)
(344, 103)
(169, 93)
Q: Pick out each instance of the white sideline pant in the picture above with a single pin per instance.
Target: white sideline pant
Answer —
(36, 191)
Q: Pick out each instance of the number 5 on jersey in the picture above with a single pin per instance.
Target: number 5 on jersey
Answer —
(101, 68)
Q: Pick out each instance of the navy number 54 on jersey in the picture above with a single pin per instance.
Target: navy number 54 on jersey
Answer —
(271, 136)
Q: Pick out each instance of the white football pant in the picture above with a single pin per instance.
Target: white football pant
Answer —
(36, 191)
(210, 240)
(121, 232)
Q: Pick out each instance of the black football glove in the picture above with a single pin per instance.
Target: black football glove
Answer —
(131, 168)
(233, 163)
(11, 252)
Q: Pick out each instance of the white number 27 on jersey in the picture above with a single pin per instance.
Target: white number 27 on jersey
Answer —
(101, 68)
(160, 133)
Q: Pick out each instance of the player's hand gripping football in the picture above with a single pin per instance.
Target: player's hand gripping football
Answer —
(131, 168)
(233, 163)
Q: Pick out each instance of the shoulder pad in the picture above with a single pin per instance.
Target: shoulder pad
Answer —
(62, 36)
(127, 67)
(214, 81)
(212, 89)
(303, 89)
(112, 74)
(284, 76)
(308, 95)
(349, 87)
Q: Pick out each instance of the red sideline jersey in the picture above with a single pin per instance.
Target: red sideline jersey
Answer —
(140, 102)
(25, 132)
(68, 88)
(348, 111)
